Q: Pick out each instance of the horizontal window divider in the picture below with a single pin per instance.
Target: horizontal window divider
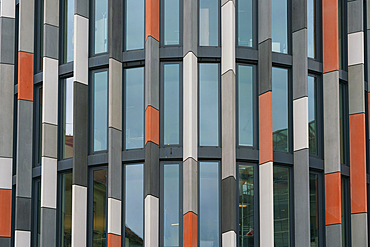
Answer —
(36, 171)
(245, 54)
(247, 153)
(99, 61)
(66, 70)
(170, 152)
(97, 159)
(314, 66)
(343, 75)
(345, 170)
(283, 158)
(65, 164)
(209, 51)
(171, 52)
(37, 78)
(316, 163)
(209, 152)
(133, 64)
(134, 155)
(132, 56)
(280, 59)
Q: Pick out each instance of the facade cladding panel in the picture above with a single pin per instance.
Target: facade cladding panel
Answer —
(184, 123)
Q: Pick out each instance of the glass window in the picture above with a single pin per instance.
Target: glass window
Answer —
(171, 104)
(134, 119)
(39, 34)
(280, 26)
(346, 212)
(100, 110)
(68, 30)
(38, 186)
(171, 22)
(209, 209)
(314, 210)
(101, 26)
(68, 118)
(311, 28)
(134, 205)
(208, 22)
(208, 104)
(245, 105)
(135, 24)
(280, 110)
(66, 207)
(171, 205)
(343, 120)
(281, 207)
(38, 125)
(312, 114)
(246, 206)
(100, 208)
(245, 23)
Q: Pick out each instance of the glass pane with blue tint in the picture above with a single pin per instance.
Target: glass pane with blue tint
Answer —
(171, 22)
(68, 33)
(311, 28)
(312, 111)
(99, 233)
(68, 118)
(66, 224)
(135, 24)
(246, 206)
(280, 26)
(100, 110)
(101, 26)
(208, 22)
(209, 210)
(208, 104)
(245, 105)
(245, 23)
(314, 211)
(134, 108)
(280, 109)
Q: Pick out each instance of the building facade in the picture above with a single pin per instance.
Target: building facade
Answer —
(184, 123)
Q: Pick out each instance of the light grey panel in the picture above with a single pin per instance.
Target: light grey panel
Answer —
(333, 235)
(51, 38)
(51, 12)
(7, 36)
(114, 163)
(299, 15)
(151, 170)
(50, 137)
(82, 8)
(26, 25)
(190, 186)
(190, 26)
(223, 2)
(23, 213)
(300, 64)
(48, 227)
(356, 89)
(359, 235)
(355, 16)
(264, 24)
(265, 66)
(152, 73)
(229, 220)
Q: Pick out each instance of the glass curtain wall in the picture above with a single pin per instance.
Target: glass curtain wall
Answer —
(68, 30)
(245, 23)
(100, 105)
(171, 22)
(280, 26)
(100, 208)
(208, 22)
(134, 28)
(66, 208)
(312, 114)
(68, 118)
(100, 26)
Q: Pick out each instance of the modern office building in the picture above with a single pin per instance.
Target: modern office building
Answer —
(184, 123)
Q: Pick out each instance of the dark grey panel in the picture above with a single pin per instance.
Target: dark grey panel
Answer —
(300, 64)
(51, 40)
(23, 213)
(299, 14)
(114, 163)
(265, 66)
(7, 27)
(134, 55)
(115, 34)
(355, 16)
(82, 8)
(190, 26)
(151, 170)
(229, 220)
(48, 226)
(5, 242)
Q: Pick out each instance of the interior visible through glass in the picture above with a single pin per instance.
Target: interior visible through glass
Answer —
(245, 105)
(246, 206)
(314, 211)
(100, 110)
(101, 26)
(280, 26)
(208, 22)
(66, 229)
(68, 49)
(68, 119)
(245, 23)
(100, 209)
(135, 24)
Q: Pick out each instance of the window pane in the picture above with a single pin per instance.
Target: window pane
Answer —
(343, 122)
(245, 105)
(101, 26)
(40, 124)
(312, 111)
(245, 23)
(134, 205)
(314, 210)
(100, 110)
(100, 208)
(68, 30)
(209, 204)
(281, 207)
(134, 24)
(208, 104)
(311, 28)
(171, 22)
(171, 205)
(208, 22)
(66, 210)
(280, 109)
(134, 108)
(68, 118)
(246, 206)
(38, 241)
(171, 104)
(280, 26)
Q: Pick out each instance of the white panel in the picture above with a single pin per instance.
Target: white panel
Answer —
(114, 216)
(229, 239)
(7, 8)
(266, 205)
(79, 215)
(228, 37)
(300, 123)
(22, 239)
(151, 221)
(50, 91)
(6, 173)
(81, 52)
(190, 104)
(355, 48)
(49, 170)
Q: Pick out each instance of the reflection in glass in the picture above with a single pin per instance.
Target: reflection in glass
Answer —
(38, 213)
(246, 206)
(314, 211)
(245, 23)
(209, 204)
(281, 207)
(171, 205)
(245, 105)
(134, 108)
(40, 123)
(101, 26)
(134, 24)
(68, 118)
(208, 23)
(311, 28)
(66, 229)
(100, 110)
(280, 109)
(312, 111)
(68, 34)
(280, 26)
(171, 22)
(208, 104)
(171, 104)
(100, 209)
(134, 205)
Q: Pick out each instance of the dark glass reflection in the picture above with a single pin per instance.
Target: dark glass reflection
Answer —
(280, 26)
(135, 24)
(311, 28)
(246, 206)
(344, 212)
(281, 207)
(101, 26)
(343, 122)
(314, 211)
(134, 205)
(39, 34)
(245, 23)
(208, 104)
(68, 118)
(100, 209)
(38, 213)
(40, 99)
(209, 234)
(100, 110)
(171, 22)
(312, 111)
(280, 109)
(208, 22)
(245, 105)
(66, 224)
(134, 108)
(68, 34)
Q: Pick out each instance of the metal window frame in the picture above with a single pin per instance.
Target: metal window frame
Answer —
(162, 22)
(37, 124)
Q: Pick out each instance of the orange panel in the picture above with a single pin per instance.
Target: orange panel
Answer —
(330, 35)
(114, 240)
(5, 212)
(151, 125)
(25, 76)
(333, 213)
(358, 162)
(190, 230)
(265, 127)
(152, 19)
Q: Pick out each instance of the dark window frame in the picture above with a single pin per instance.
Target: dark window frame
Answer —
(162, 22)
(37, 125)
(38, 35)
